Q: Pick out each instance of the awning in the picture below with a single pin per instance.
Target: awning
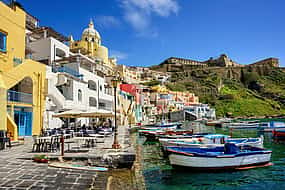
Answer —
(79, 114)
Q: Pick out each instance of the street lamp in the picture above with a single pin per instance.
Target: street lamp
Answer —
(115, 81)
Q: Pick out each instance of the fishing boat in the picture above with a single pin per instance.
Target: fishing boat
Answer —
(212, 140)
(271, 126)
(162, 126)
(154, 134)
(243, 125)
(218, 123)
(214, 123)
(229, 156)
(279, 134)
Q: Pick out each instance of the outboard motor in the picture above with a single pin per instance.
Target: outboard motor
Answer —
(231, 148)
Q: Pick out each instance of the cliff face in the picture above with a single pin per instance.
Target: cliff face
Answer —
(253, 90)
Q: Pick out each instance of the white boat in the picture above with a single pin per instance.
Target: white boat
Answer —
(243, 125)
(271, 126)
(228, 157)
(211, 140)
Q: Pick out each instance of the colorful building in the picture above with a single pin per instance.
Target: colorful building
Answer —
(22, 81)
(90, 45)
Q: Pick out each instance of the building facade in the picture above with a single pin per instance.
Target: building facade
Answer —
(22, 80)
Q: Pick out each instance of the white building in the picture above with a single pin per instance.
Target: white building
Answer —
(75, 82)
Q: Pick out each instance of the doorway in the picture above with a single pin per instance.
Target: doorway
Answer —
(24, 122)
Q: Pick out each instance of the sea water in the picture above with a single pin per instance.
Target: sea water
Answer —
(159, 175)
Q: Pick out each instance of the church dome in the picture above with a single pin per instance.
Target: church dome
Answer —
(90, 31)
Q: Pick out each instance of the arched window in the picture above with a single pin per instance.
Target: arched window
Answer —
(79, 95)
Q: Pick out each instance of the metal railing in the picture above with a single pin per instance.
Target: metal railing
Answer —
(67, 70)
(22, 97)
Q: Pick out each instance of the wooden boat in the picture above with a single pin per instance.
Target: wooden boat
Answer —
(271, 126)
(219, 158)
(154, 134)
(243, 125)
(212, 140)
(279, 134)
(215, 123)
(162, 126)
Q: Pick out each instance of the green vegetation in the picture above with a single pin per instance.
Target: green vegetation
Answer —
(246, 92)
(176, 87)
(152, 83)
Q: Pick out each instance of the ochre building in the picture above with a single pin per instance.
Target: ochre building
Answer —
(22, 81)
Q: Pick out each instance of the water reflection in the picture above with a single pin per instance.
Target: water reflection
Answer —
(159, 175)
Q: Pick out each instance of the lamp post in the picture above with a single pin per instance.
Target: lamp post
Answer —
(115, 81)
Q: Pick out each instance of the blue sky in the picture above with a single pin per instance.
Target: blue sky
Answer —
(145, 32)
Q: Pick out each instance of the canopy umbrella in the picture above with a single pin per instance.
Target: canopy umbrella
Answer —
(78, 114)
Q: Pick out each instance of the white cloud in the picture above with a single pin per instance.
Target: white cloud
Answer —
(118, 54)
(107, 21)
(139, 12)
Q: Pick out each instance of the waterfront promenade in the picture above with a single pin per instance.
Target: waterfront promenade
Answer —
(18, 171)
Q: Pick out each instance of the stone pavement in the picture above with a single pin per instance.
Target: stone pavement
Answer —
(18, 171)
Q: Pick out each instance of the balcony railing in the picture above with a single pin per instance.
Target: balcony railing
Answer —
(22, 97)
(68, 70)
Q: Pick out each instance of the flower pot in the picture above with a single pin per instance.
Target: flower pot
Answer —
(44, 161)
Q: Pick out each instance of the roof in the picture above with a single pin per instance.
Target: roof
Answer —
(50, 33)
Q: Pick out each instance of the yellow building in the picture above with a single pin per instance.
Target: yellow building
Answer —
(22, 81)
(90, 45)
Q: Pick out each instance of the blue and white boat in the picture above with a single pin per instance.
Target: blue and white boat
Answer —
(163, 126)
(271, 126)
(211, 140)
(229, 156)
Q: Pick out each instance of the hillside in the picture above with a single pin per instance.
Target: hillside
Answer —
(246, 92)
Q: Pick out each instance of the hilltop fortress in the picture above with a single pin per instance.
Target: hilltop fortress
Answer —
(174, 64)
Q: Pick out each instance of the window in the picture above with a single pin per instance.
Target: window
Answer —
(101, 88)
(3, 41)
(92, 102)
(92, 85)
(79, 95)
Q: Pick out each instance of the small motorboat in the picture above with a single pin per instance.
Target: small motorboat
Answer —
(214, 123)
(154, 134)
(226, 157)
(162, 126)
(243, 125)
(279, 134)
(211, 140)
(271, 126)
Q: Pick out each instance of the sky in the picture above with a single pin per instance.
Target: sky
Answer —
(146, 32)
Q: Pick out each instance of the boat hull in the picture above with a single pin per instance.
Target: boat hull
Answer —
(206, 163)
(279, 134)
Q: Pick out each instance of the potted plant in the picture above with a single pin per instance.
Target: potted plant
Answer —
(40, 159)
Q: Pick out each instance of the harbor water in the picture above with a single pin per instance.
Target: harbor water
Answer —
(159, 175)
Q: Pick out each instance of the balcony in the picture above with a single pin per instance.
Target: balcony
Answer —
(68, 71)
(21, 97)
